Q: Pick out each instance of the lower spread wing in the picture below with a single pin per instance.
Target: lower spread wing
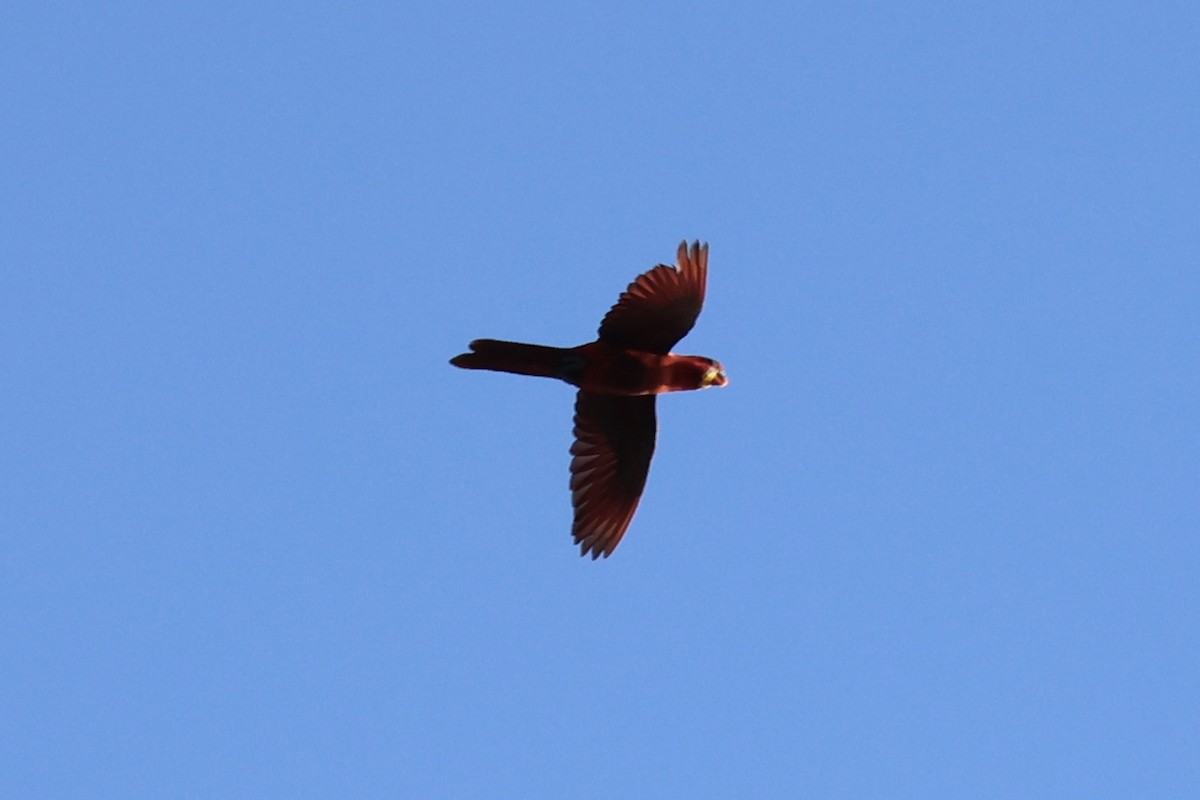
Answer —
(614, 441)
(661, 306)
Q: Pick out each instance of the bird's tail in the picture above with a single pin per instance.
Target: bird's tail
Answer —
(522, 359)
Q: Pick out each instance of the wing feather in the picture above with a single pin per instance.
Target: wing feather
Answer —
(661, 305)
(614, 442)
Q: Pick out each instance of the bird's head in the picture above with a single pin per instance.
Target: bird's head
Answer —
(714, 375)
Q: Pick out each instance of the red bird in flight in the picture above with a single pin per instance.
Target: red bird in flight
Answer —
(618, 376)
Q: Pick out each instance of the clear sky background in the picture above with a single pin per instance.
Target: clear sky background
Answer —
(939, 538)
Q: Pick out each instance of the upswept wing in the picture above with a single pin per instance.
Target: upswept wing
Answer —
(661, 306)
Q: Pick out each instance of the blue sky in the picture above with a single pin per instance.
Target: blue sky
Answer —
(938, 538)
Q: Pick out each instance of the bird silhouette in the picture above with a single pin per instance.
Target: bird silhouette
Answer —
(618, 377)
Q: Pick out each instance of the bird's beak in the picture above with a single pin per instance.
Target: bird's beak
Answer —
(713, 377)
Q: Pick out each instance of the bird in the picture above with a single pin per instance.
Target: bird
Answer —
(618, 377)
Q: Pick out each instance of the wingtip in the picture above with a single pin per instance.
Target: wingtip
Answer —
(595, 551)
(696, 254)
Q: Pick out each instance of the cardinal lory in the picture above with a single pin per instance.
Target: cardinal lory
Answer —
(618, 376)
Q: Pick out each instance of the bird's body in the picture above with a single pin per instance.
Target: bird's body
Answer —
(597, 367)
(618, 376)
